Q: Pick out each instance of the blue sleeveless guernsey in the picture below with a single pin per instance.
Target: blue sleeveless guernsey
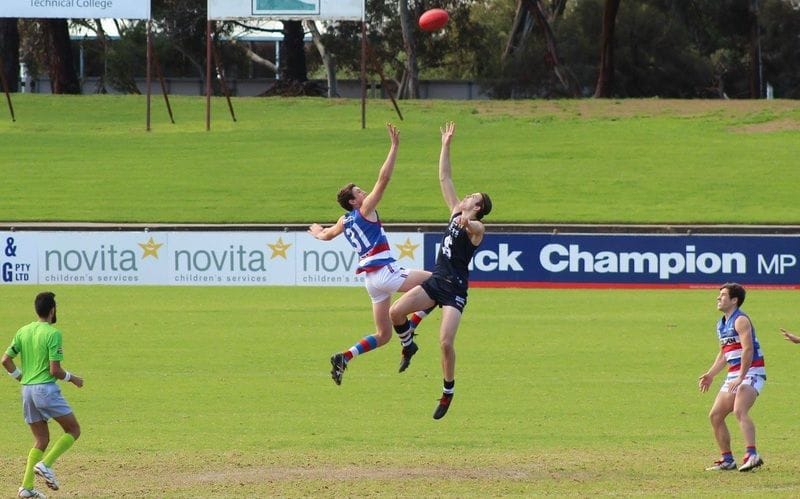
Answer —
(732, 347)
(368, 240)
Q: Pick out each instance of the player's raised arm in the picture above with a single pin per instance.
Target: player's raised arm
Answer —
(445, 169)
(376, 194)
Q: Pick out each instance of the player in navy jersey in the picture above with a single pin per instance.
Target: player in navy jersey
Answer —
(741, 352)
(447, 286)
(363, 230)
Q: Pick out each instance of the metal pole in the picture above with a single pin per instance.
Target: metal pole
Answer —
(149, 63)
(363, 73)
(5, 89)
(208, 75)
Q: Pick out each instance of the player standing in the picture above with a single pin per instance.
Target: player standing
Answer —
(741, 351)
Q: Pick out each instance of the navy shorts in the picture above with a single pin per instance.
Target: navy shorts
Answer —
(446, 291)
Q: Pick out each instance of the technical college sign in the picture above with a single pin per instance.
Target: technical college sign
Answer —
(76, 9)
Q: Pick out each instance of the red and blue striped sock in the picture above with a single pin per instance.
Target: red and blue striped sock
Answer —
(417, 317)
(364, 345)
(727, 456)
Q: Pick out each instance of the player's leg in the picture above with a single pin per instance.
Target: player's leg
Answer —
(415, 278)
(380, 296)
(414, 299)
(745, 398)
(57, 407)
(723, 405)
(451, 318)
(41, 437)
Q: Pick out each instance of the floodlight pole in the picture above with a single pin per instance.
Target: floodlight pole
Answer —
(363, 73)
(149, 62)
(5, 89)
(208, 75)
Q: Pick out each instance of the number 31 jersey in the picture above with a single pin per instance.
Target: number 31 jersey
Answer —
(369, 240)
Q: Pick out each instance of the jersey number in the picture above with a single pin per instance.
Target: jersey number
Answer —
(357, 238)
(446, 245)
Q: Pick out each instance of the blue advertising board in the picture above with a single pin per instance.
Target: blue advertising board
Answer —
(611, 260)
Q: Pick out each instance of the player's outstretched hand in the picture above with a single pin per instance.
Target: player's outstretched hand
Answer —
(394, 134)
(448, 130)
(76, 380)
(790, 337)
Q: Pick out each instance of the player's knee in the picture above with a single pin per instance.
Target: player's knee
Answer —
(383, 337)
(74, 430)
(446, 345)
(741, 414)
(397, 317)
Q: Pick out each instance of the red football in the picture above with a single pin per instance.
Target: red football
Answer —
(433, 19)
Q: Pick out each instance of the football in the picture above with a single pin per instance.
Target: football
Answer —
(433, 20)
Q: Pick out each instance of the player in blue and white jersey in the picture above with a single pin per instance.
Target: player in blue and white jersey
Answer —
(362, 228)
(741, 352)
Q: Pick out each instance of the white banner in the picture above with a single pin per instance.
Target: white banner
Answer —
(287, 9)
(189, 258)
(76, 9)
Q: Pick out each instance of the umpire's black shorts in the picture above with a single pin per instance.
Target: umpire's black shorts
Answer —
(446, 291)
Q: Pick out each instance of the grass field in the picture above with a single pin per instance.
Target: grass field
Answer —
(632, 161)
(212, 392)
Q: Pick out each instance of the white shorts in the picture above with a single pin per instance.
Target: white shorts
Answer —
(385, 281)
(757, 381)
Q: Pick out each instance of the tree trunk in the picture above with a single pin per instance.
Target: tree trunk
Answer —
(327, 59)
(63, 78)
(410, 47)
(605, 77)
(567, 79)
(9, 52)
(293, 55)
(755, 51)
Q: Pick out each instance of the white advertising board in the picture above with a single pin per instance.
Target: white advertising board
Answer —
(189, 258)
(76, 9)
(287, 9)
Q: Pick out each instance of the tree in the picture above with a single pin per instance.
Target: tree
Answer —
(605, 78)
(9, 52)
(60, 63)
(530, 12)
(409, 86)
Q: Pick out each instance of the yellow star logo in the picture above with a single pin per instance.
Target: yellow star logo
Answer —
(407, 249)
(150, 249)
(279, 249)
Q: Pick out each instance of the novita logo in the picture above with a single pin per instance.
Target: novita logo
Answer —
(560, 258)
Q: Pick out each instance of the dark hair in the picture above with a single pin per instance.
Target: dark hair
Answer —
(44, 303)
(486, 206)
(735, 291)
(345, 195)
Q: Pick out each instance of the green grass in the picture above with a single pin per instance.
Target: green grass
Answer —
(89, 158)
(216, 392)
